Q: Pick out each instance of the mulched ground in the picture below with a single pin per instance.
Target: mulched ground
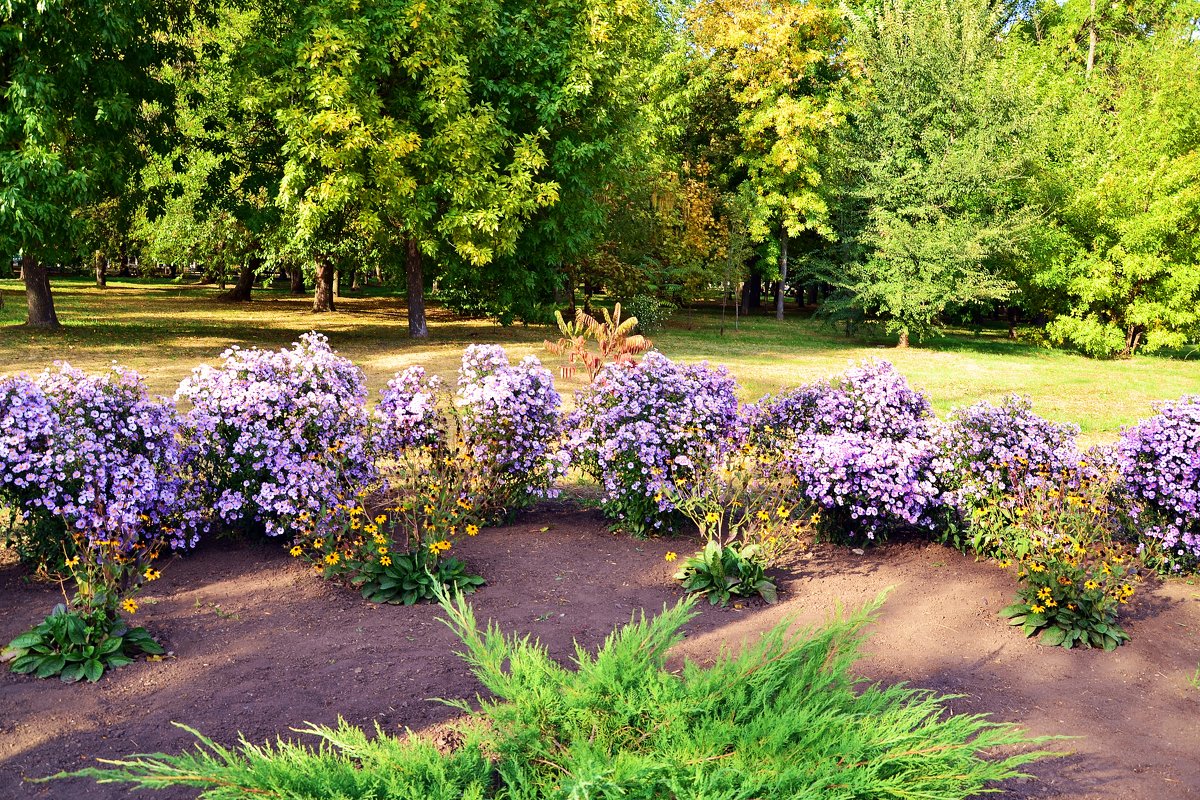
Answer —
(260, 644)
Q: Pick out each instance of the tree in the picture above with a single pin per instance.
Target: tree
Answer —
(932, 217)
(1118, 269)
(82, 102)
(779, 67)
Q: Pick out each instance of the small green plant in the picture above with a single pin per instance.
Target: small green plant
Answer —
(650, 312)
(76, 645)
(1070, 592)
(721, 572)
(399, 555)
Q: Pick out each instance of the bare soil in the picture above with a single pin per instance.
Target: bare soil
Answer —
(260, 644)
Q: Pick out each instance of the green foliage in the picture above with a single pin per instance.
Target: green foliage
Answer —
(650, 312)
(782, 718)
(721, 572)
(1074, 575)
(78, 644)
(414, 577)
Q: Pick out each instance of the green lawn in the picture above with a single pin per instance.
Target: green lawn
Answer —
(164, 330)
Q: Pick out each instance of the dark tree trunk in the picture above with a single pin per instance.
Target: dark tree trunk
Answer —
(37, 294)
(781, 287)
(417, 329)
(902, 342)
(323, 286)
(100, 264)
(1012, 322)
(123, 258)
(812, 294)
(296, 277)
(242, 290)
(751, 294)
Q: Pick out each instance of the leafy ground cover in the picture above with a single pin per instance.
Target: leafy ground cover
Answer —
(258, 644)
(162, 330)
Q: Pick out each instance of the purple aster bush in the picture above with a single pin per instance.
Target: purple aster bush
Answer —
(871, 398)
(503, 422)
(986, 448)
(866, 486)
(279, 439)
(639, 429)
(85, 459)
(1159, 464)
(509, 421)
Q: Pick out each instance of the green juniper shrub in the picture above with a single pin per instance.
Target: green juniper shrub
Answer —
(781, 718)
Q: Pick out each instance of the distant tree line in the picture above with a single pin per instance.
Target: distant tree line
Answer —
(906, 164)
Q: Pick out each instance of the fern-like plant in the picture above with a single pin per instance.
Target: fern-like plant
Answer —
(781, 718)
(615, 341)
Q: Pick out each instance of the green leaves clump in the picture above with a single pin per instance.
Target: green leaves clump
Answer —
(782, 718)
(78, 644)
(724, 571)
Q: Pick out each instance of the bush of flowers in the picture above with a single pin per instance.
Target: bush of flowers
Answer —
(640, 428)
(278, 438)
(985, 447)
(1159, 464)
(866, 486)
(90, 473)
(509, 422)
(871, 399)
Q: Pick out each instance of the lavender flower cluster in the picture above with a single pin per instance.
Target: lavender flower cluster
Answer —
(94, 454)
(1159, 464)
(409, 413)
(279, 437)
(870, 399)
(866, 486)
(640, 429)
(985, 448)
(510, 424)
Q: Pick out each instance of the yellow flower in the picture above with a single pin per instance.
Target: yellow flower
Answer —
(318, 543)
(671, 555)
(383, 551)
(781, 512)
(332, 558)
(73, 562)
(130, 605)
(428, 509)
(382, 518)
(472, 530)
(379, 538)
(296, 550)
(152, 574)
(386, 561)
(1091, 585)
(1036, 609)
(712, 517)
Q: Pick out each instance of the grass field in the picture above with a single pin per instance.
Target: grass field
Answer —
(164, 330)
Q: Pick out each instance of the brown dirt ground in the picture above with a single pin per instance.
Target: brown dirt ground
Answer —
(261, 644)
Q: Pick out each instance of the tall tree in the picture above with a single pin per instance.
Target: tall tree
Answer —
(82, 99)
(931, 213)
(780, 67)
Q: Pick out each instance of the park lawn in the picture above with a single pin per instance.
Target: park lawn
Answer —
(163, 330)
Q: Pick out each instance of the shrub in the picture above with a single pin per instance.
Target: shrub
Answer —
(985, 447)
(722, 571)
(502, 425)
(867, 487)
(782, 717)
(1160, 474)
(510, 426)
(639, 429)
(650, 312)
(89, 467)
(871, 399)
(279, 437)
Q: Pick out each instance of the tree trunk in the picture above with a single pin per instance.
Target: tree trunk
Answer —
(37, 294)
(323, 286)
(783, 275)
(1091, 56)
(1012, 322)
(354, 287)
(417, 329)
(240, 293)
(1133, 337)
(902, 342)
(100, 264)
(296, 277)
